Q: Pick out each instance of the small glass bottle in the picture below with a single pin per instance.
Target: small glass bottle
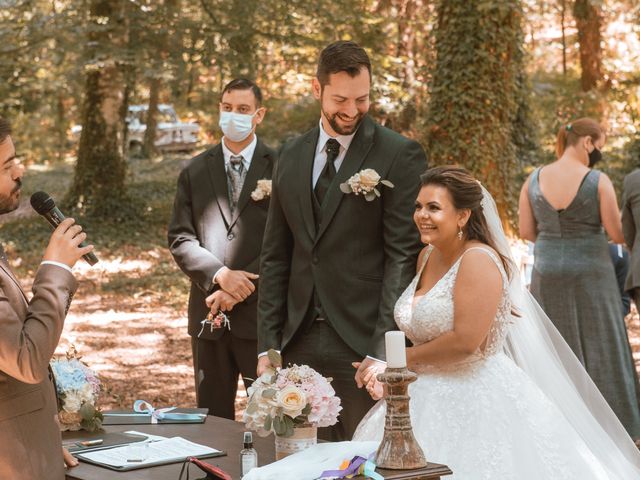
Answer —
(248, 455)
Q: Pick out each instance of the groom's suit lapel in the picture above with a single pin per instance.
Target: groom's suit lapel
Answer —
(218, 176)
(307, 155)
(358, 150)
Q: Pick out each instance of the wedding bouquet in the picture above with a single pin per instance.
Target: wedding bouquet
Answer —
(77, 388)
(284, 398)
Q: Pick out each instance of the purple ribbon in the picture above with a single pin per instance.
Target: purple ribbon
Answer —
(354, 467)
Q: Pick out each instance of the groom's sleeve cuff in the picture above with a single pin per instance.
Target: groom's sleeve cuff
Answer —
(262, 354)
(368, 356)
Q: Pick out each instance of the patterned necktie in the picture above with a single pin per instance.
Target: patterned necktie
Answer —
(235, 176)
(329, 171)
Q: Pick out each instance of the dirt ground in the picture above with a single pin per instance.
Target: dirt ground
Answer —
(138, 345)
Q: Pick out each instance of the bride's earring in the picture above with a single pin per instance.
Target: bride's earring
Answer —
(460, 233)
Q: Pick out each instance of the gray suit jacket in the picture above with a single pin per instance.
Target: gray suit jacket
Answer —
(29, 333)
(204, 236)
(361, 256)
(630, 223)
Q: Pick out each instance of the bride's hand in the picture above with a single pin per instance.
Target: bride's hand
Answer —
(375, 388)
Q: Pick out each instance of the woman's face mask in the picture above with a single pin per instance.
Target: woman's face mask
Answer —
(595, 156)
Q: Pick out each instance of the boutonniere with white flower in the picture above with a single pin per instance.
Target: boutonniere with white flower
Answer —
(262, 191)
(364, 183)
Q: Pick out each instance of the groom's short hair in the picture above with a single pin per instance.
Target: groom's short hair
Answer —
(244, 84)
(5, 129)
(342, 56)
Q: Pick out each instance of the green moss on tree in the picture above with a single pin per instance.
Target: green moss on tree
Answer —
(478, 114)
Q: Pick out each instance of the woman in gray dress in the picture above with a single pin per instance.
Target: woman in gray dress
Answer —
(563, 209)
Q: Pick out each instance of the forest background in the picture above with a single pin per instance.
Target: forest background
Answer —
(482, 83)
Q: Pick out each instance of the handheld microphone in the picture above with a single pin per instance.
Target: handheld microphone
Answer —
(44, 205)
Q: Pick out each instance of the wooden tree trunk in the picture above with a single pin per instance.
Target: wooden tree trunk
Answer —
(589, 22)
(477, 90)
(406, 40)
(168, 13)
(98, 184)
(149, 145)
(563, 12)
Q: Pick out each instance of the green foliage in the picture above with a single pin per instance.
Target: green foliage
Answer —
(633, 153)
(478, 115)
(286, 119)
(558, 102)
(91, 418)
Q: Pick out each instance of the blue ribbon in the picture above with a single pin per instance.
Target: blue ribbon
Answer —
(144, 407)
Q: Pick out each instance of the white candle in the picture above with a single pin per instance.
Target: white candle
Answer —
(395, 347)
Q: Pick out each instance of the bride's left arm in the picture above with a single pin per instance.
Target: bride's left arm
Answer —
(476, 297)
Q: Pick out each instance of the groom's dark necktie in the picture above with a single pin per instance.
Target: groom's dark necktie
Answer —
(329, 171)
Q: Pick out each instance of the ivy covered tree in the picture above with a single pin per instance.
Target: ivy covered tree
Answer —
(478, 115)
(588, 17)
(99, 182)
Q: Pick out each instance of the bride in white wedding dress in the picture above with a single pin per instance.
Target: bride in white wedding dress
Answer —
(499, 394)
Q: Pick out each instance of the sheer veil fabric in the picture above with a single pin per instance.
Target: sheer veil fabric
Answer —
(536, 346)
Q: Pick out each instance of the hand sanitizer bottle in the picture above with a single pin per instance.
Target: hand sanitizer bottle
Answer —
(248, 455)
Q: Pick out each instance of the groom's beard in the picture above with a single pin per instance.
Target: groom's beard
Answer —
(343, 130)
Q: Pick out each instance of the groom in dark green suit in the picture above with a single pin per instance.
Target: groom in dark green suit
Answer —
(334, 263)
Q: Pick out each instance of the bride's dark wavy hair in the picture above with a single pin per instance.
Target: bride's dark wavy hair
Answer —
(466, 193)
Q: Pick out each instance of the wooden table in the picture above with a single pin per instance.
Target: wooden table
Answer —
(217, 433)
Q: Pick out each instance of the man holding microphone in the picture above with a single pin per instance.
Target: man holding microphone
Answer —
(30, 442)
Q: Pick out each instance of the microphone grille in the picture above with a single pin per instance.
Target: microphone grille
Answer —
(41, 202)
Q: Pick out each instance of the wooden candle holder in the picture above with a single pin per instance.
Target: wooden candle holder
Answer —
(399, 449)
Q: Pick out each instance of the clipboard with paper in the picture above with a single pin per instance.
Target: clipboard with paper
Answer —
(159, 452)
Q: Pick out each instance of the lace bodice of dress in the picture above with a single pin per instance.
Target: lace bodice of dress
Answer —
(432, 314)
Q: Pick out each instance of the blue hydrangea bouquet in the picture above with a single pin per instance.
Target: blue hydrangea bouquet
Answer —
(78, 389)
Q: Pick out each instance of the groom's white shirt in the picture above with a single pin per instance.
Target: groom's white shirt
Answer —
(320, 160)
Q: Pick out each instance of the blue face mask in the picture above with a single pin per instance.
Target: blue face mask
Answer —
(236, 126)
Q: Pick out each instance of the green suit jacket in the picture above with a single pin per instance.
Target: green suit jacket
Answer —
(361, 256)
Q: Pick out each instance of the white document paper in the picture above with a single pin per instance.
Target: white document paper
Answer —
(171, 449)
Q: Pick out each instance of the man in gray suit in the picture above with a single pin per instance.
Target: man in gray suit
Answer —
(30, 443)
(215, 236)
(630, 221)
(334, 263)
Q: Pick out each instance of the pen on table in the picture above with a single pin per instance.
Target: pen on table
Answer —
(91, 443)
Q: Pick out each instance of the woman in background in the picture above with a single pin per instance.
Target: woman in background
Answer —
(563, 209)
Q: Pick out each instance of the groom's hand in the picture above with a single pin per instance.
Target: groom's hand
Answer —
(236, 283)
(367, 369)
(263, 364)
